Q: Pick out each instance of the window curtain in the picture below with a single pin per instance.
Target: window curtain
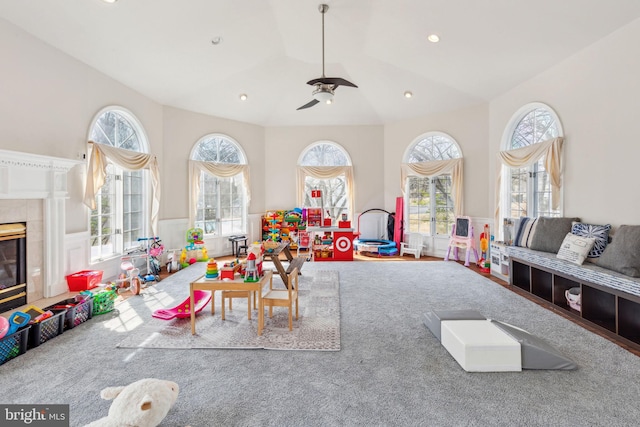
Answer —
(220, 170)
(102, 154)
(325, 172)
(550, 150)
(433, 168)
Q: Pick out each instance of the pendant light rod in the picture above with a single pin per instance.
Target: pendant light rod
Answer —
(323, 9)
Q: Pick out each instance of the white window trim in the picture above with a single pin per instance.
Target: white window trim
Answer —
(193, 204)
(143, 139)
(405, 159)
(505, 144)
(350, 184)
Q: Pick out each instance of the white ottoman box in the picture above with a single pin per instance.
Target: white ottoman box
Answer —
(480, 346)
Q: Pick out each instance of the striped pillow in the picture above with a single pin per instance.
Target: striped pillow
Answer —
(526, 230)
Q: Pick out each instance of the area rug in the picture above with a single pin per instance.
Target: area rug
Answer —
(317, 327)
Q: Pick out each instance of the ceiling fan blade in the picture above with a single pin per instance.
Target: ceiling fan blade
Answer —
(308, 104)
(335, 81)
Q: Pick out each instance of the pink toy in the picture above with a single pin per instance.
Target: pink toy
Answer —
(4, 326)
(180, 311)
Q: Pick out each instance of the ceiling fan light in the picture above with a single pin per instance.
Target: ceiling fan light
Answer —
(323, 95)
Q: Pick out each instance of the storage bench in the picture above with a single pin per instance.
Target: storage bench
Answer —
(609, 300)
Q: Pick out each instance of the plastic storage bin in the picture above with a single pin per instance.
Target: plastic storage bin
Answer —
(42, 332)
(103, 301)
(78, 310)
(14, 345)
(84, 280)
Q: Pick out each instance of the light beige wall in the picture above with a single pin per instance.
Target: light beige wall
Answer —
(48, 102)
(469, 127)
(284, 146)
(596, 94)
(182, 129)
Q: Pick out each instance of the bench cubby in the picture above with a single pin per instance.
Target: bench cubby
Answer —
(613, 312)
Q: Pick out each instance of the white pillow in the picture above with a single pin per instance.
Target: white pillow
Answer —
(575, 248)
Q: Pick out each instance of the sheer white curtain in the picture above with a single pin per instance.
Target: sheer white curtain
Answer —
(102, 154)
(325, 172)
(550, 150)
(220, 170)
(434, 168)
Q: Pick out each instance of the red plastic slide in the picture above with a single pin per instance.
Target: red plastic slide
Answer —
(201, 299)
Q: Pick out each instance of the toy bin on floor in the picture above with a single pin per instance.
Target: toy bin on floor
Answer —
(78, 310)
(103, 301)
(42, 332)
(84, 280)
(14, 345)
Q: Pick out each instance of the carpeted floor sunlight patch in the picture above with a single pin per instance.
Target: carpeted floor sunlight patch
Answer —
(317, 328)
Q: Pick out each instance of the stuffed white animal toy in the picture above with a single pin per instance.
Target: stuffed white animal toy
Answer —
(143, 403)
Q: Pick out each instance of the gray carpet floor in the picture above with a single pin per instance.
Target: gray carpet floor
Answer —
(390, 371)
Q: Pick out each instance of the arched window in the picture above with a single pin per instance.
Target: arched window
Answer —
(326, 166)
(528, 190)
(122, 211)
(219, 186)
(431, 193)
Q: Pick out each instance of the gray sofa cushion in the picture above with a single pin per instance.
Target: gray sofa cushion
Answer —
(623, 253)
(550, 232)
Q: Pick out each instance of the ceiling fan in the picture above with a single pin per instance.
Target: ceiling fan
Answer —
(324, 86)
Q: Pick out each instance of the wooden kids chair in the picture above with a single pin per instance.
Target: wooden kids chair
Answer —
(282, 297)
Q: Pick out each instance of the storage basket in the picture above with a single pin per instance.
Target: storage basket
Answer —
(78, 310)
(42, 332)
(103, 301)
(84, 280)
(14, 345)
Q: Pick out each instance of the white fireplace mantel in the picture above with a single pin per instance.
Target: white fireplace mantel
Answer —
(33, 176)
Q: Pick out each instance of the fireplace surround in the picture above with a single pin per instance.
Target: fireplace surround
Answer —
(33, 189)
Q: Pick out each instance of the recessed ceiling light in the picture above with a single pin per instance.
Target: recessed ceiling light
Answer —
(408, 94)
(109, 1)
(216, 40)
(243, 97)
(433, 38)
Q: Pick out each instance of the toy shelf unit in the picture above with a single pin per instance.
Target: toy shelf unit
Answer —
(332, 243)
(499, 260)
(615, 313)
(286, 225)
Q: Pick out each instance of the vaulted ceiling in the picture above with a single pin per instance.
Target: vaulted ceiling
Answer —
(269, 49)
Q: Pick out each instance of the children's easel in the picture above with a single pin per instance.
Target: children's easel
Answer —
(462, 237)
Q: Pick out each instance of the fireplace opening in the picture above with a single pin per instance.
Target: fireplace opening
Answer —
(13, 266)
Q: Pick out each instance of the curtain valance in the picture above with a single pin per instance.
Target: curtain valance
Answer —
(549, 150)
(102, 154)
(325, 172)
(220, 170)
(434, 168)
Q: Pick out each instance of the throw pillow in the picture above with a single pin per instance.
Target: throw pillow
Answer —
(550, 233)
(623, 253)
(599, 232)
(526, 231)
(575, 248)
